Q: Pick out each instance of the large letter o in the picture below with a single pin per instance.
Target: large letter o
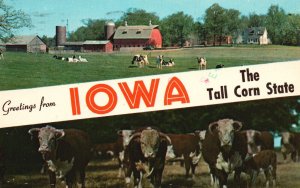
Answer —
(90, 99)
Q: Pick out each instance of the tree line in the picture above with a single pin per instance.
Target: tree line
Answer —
(283, 28)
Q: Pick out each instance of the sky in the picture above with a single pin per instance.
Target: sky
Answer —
(46, 14)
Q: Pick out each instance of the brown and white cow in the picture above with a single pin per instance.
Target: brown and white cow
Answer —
(121, 145)
(258, 141)
(290, 144)
(201, 63)
(70, 148)
(146, 153)
(265, 160)
(186, 145)
(224, 149)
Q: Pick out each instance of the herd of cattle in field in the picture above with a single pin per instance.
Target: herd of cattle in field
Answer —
(144, 152)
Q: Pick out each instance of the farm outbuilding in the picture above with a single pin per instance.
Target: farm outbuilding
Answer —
(97, 46)
(137, 36)
(32, 43)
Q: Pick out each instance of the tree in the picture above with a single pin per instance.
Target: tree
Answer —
(256, 20)
(135, 16)
(215, 21)
(275, 22)
(291, 30)
(49, 41)
(93, 30)
(176, 28)
(233, 23)
(12, 20)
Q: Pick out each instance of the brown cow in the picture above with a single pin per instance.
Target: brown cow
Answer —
(258, 141)
(146, 153)
(290, 144)
(186, 145)
(266, 160)
(121, 145)
(224, 150)
(70, 148)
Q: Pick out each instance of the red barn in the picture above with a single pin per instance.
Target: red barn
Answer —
(137, 36)
(97, 46)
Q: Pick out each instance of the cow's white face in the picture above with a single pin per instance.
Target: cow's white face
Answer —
(202, 135)
(170, 153)
(250, 136)
(125, 136)
(286, 137)
(149, 142)
(226, 129)
(47, 137)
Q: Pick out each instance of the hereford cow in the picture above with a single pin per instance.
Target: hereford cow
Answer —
(265, 160)
(258, 141)
(60, 149)
(186, 145)
(121, 145)
(224, 150)
(146, 153)
(290, 144)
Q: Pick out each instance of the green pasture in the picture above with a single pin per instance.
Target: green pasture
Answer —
(28, 70)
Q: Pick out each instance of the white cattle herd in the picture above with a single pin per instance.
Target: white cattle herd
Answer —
(225, 145)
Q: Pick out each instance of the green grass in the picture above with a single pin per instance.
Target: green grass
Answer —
(22, 70)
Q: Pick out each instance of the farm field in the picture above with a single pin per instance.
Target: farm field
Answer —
(29, 70)
(104, 174)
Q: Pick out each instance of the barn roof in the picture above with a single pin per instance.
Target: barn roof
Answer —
(22, 40)
(134, 32)
(95, 42)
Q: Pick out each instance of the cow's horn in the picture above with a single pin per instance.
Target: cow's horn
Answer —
(167, 137)
(237, 125)
(138, 134)
(150, 173)
(60, 133)
(212, 126)
(31, 131)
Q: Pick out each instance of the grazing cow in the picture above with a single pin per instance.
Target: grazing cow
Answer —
(140, 60)
(159, 61)
(224, 150)
(146, 153)
(219, 66)
(69, 148)
(201, 63)
(265, 160)
(169, 63)
(258, 141)
(105, 149)
(72, 59)
(121, 145)
(186, 145)
(290, 144)
(81, 59)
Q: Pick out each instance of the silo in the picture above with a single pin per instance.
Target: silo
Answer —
(109, 29)
(60, 35)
